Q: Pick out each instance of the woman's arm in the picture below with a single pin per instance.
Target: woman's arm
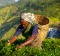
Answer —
(29, 40)
(17, 33)
(33, 36)
(13, 39)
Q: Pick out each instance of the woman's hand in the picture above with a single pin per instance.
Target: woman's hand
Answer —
(20, 46)
(7, 43)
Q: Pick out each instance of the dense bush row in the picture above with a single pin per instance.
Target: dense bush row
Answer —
(50, 47)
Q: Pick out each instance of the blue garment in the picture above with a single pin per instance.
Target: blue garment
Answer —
(20, 29)
(53, 33)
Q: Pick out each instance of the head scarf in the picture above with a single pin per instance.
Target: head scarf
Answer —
(29, 17)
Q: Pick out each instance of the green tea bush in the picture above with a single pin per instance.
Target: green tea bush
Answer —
(50, 47)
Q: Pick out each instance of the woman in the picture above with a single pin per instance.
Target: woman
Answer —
(28, 26)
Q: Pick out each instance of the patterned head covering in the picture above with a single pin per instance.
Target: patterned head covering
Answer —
(29, 17)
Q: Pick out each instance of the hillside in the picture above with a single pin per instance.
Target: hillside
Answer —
(9, 15)
(6, 2)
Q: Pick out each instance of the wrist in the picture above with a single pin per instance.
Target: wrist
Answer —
(22, 45)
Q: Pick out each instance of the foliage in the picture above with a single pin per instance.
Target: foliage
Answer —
(54, 21)
(50, 47)
(6, 13)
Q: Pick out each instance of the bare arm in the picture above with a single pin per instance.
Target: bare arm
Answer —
(19, 30)
(13, 39)
(28, 41)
